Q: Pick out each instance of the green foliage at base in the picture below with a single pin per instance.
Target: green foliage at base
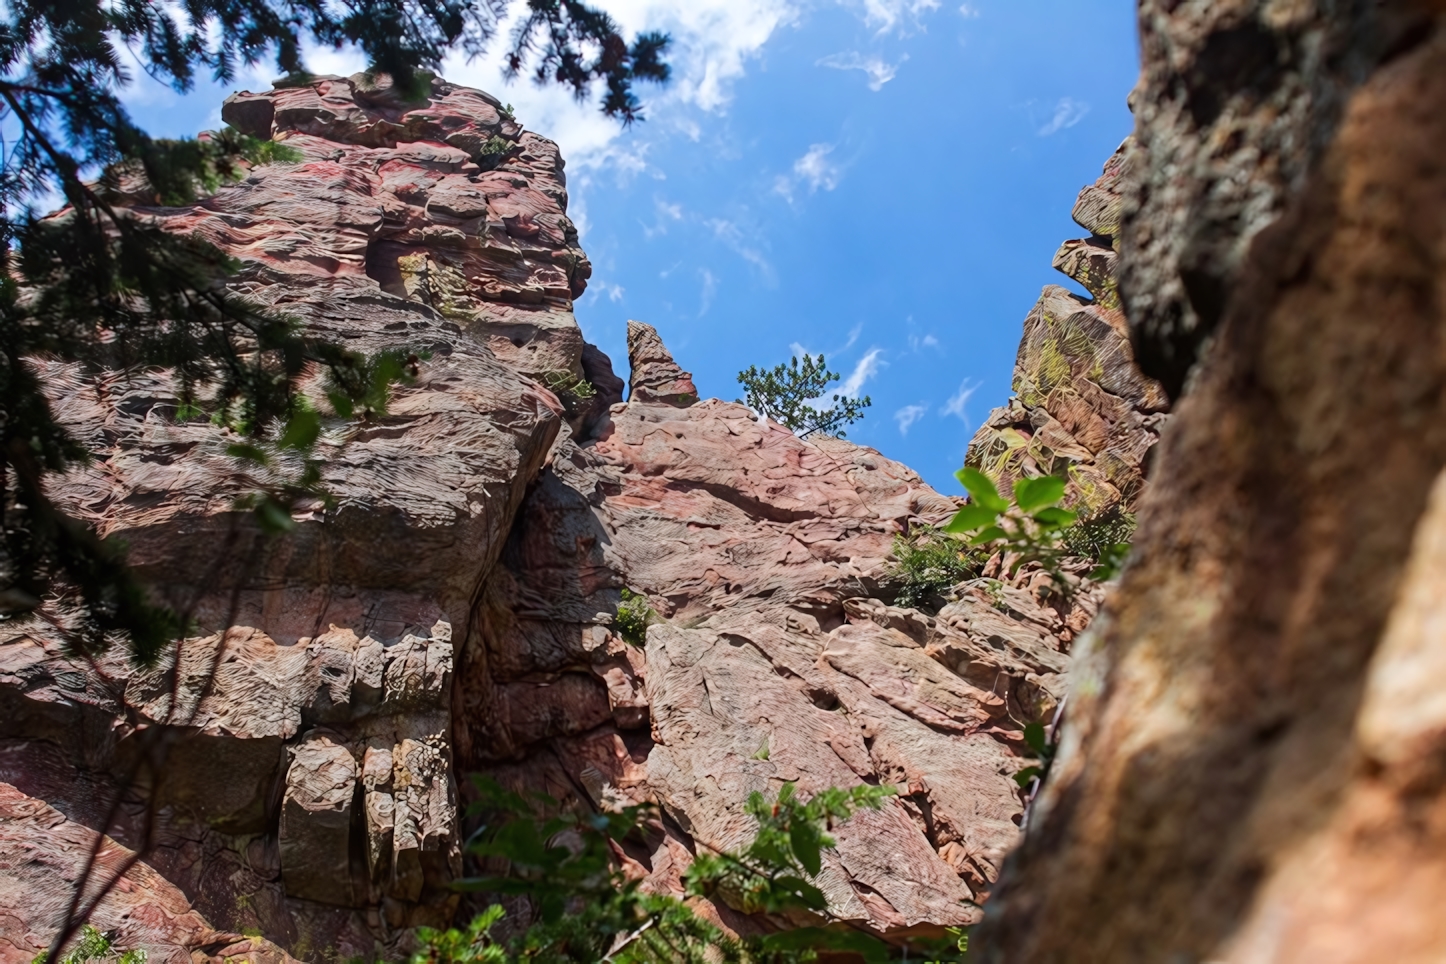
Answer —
(1033, 528)
(585, 910)
(633, 618)
(788, 392)
(927, 563)
(95, 948)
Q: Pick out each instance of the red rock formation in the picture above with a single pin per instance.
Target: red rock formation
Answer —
(451, 613)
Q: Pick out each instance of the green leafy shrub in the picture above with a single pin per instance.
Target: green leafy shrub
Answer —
(573, 391)
(272, 152)
(1030, 527)
(927, 563)
(585, 910)
(786, 394)
(490, 154)
(633, 618)
(96, 948)
(1104, 539)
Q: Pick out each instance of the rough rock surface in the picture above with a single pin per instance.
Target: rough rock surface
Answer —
(1252, 770)
(452, 613)
(1081, 408)
(655, 376)
(1236, 102)
(396, 230)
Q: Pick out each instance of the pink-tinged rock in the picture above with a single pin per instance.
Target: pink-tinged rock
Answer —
(655, 376)
(387, 234)
(453, 610)
(42, 857)
(773, 659)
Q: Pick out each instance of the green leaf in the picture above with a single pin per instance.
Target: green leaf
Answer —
(971, 518)
(809, 895)
(302, 430)
(273, 516)
(247, 452)
(1026, 776)
(803, 837)
(1055, 517)
(1034, 738)
(341, 403)
(1031, 494)
(980, 488)
(991, 534)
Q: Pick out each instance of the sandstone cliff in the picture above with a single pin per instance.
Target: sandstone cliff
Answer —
(452, 612)
(1252, 765)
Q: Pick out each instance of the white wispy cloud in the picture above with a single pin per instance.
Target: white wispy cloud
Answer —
(730, 234)
(888, 14)
(879, 71)
(710, 288)
(813, 169)
(908, 415)
(614, 292)
(956, 403)
(867, 367)
(969, 12)
(1067, 113)
(917, 343)
(665, 214)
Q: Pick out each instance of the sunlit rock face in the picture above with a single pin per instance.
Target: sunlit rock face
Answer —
(451, 612)
(1080, 408)
(1252, 767)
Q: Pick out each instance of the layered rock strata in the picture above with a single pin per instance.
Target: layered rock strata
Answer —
(1080, 409)
(451, 613)
(1252, 769)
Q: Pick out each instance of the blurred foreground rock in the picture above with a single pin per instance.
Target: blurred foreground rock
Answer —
(1253, 762)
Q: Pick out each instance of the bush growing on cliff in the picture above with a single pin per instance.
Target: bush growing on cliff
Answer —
(1104, 539)
(789, 394)
(927, 563)
(584, 909)
(633, 618)
(96, 948)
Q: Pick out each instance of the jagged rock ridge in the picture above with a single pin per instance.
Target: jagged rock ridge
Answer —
(1081, 409)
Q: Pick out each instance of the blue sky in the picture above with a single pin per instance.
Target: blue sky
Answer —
(881, 180)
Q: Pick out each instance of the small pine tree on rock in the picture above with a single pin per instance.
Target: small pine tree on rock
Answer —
(789, 394)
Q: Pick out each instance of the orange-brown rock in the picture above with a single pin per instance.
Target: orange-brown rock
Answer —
(1252, 767)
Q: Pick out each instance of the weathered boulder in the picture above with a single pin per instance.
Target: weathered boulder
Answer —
(385, 235)
(1252, 764)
